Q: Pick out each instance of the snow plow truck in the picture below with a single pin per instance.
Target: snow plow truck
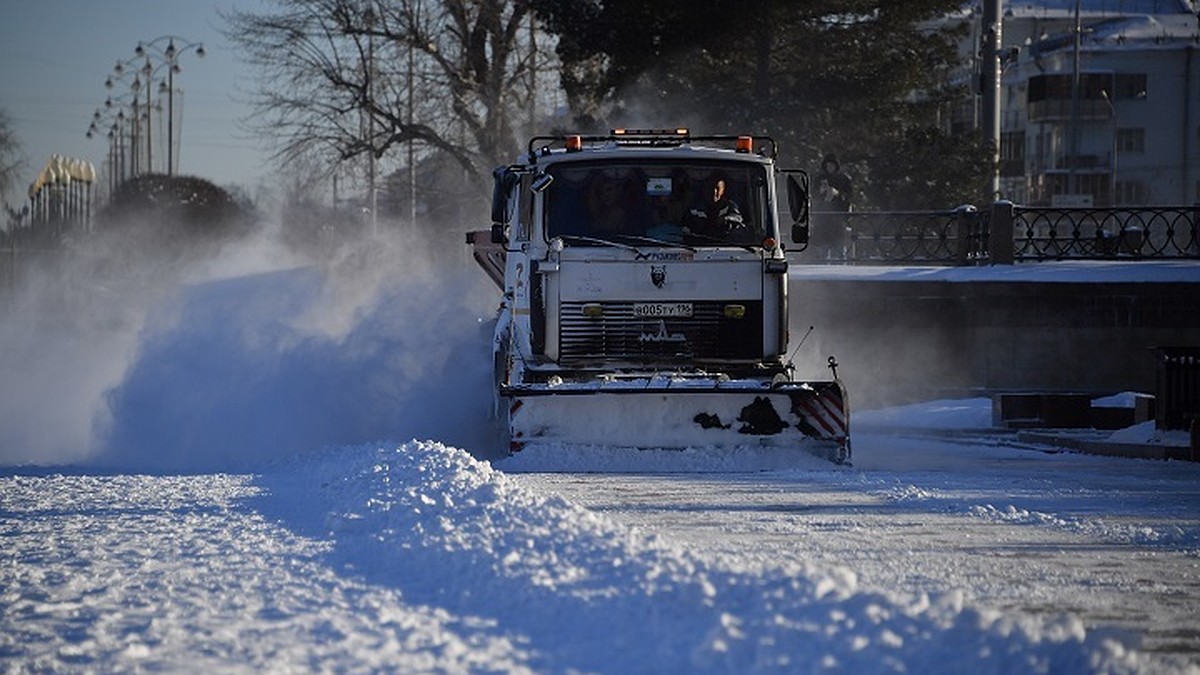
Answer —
(645, 296)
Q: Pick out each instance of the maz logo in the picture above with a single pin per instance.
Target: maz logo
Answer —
(662, 335)
(658, 275)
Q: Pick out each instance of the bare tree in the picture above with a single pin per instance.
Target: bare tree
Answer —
(10, 155)
(341, 79)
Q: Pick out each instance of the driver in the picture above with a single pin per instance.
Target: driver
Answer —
(717, 215)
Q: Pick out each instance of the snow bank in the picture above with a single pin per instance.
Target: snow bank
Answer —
(583, 594)
(175, 574)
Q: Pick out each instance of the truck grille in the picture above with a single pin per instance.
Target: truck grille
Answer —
(618, 334)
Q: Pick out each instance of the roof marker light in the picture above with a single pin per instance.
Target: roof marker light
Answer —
(574, 143)
(745, 143)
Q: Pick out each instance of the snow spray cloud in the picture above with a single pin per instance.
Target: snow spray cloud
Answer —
(70, 321)
(894, 344)
(241, 354)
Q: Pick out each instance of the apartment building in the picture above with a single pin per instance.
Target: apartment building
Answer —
(1100, 101)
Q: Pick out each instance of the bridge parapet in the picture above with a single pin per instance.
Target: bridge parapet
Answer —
(1004, 234)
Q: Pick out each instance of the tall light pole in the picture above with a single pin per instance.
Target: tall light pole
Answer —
(990, 74)
(1112, 112)
(120, 72)
(170, 59)
(113, 125)
(1075, 94)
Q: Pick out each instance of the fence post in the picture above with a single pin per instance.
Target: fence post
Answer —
(1194, 244)
(966, 230)
(1000, 245)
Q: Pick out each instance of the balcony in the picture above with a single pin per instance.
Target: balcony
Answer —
(1059, 110)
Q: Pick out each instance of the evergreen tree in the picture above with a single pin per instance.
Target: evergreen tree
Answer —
(865, 80)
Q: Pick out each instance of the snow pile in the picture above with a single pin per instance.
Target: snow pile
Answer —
(581, 593)
(1146, 434)
(174, 574)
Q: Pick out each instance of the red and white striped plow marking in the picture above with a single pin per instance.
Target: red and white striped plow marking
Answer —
(825, 411)
(515, 442)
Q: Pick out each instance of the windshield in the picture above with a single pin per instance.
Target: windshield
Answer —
(698, 203)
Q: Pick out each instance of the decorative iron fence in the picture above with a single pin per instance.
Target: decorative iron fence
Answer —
(950, 237)
(1045, 233)
(1003, 234)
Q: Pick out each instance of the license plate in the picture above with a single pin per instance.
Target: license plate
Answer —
(665, 310)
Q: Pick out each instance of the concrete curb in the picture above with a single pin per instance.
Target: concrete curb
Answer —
(1109, 448)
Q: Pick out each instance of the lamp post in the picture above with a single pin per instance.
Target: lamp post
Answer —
(112, 119)
(112, 124)
(1112, 111)
(170, 59)
(120, 72)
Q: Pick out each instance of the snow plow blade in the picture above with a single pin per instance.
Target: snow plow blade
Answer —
(666, 414)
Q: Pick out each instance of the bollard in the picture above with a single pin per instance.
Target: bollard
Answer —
(1000, 245)
(966, 225)
(1178, 387)
(1194, 446)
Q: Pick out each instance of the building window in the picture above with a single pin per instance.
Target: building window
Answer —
(1049, 96)
(1131, 139)
(1012, 145)
(1012, 153)
(1131, 193)
(1130, 85)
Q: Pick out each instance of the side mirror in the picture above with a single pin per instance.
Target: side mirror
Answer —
(797, 189)
(800, 234)
(504, 180)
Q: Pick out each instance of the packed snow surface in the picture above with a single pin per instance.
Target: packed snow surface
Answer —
(422, 558)
(212, 499)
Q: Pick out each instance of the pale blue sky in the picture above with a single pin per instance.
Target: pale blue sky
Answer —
(56, 54)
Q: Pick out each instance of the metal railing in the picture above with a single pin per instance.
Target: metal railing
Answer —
(1004, 234)
(1153, 232)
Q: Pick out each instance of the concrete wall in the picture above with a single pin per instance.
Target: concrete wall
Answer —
(907, 341)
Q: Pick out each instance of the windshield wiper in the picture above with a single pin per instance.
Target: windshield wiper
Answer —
(720, 241)
(658, 242)
(602, 242)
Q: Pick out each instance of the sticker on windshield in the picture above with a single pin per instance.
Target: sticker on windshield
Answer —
(658, 187)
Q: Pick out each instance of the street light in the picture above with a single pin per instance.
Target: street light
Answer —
(170, 55)
(121, 71)
(110, 120)
(1112, 111)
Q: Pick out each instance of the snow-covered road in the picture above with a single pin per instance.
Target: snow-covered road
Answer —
(927, 556)
(1113, 542)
